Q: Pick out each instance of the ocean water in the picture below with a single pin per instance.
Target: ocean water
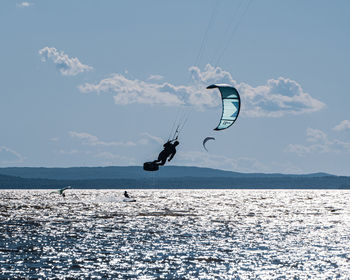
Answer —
(175, 234)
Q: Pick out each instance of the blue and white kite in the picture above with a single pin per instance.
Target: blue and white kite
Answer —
(231, 104)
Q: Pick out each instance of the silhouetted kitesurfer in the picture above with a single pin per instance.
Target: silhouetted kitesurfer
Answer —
(61, 191)
(168, 151)
(127, 197)
(126, 194)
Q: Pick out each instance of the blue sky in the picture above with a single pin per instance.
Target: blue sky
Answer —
(99, 83)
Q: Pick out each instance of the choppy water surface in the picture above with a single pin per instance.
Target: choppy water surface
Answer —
(175, 234)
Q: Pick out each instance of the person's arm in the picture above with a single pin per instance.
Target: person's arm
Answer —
(166, 144)
(172, 155)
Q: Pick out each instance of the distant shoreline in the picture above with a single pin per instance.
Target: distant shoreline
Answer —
(150, 188)
(171, 177)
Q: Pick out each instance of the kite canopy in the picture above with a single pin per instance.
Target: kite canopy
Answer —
(231, 103)
(205, 141)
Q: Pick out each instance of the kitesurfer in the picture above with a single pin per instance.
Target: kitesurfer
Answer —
(126, 194)
(168, 151)
(61, 191)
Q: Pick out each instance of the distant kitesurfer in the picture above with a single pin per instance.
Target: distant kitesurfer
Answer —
(61, 191)
(126, 194)
(168, 151)
(127, 198)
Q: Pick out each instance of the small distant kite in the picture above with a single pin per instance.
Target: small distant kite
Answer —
(205, 141)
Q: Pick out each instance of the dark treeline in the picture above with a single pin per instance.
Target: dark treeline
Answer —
(132, 172)
(281, 182)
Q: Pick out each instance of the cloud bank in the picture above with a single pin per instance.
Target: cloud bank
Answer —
(155, 77)
(152, 137)
(68, 66)
(8, 155)
(135, 91)
(24, 4)
(343, 125)
(319, 143)
(92, 140)
(105, 151)
(278, 97)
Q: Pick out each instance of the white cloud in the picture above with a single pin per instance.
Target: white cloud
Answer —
(8, 155)
(315, 135)
(154, 138)
(302, 150)
(105, 157)
(24, 4)
(320, 143)
(68, 66)
(343, 125)
(135, 91)
(276, 98)
(92, 140)
(341, 145)
(155, 77)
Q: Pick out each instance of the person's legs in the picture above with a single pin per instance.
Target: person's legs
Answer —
(161, 158)
(163, 161)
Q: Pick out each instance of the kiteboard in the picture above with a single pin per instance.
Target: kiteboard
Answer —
(129, 200)
(150, 166)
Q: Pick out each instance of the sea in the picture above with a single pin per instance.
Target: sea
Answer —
(175, 234)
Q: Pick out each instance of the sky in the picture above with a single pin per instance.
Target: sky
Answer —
(101, 83)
